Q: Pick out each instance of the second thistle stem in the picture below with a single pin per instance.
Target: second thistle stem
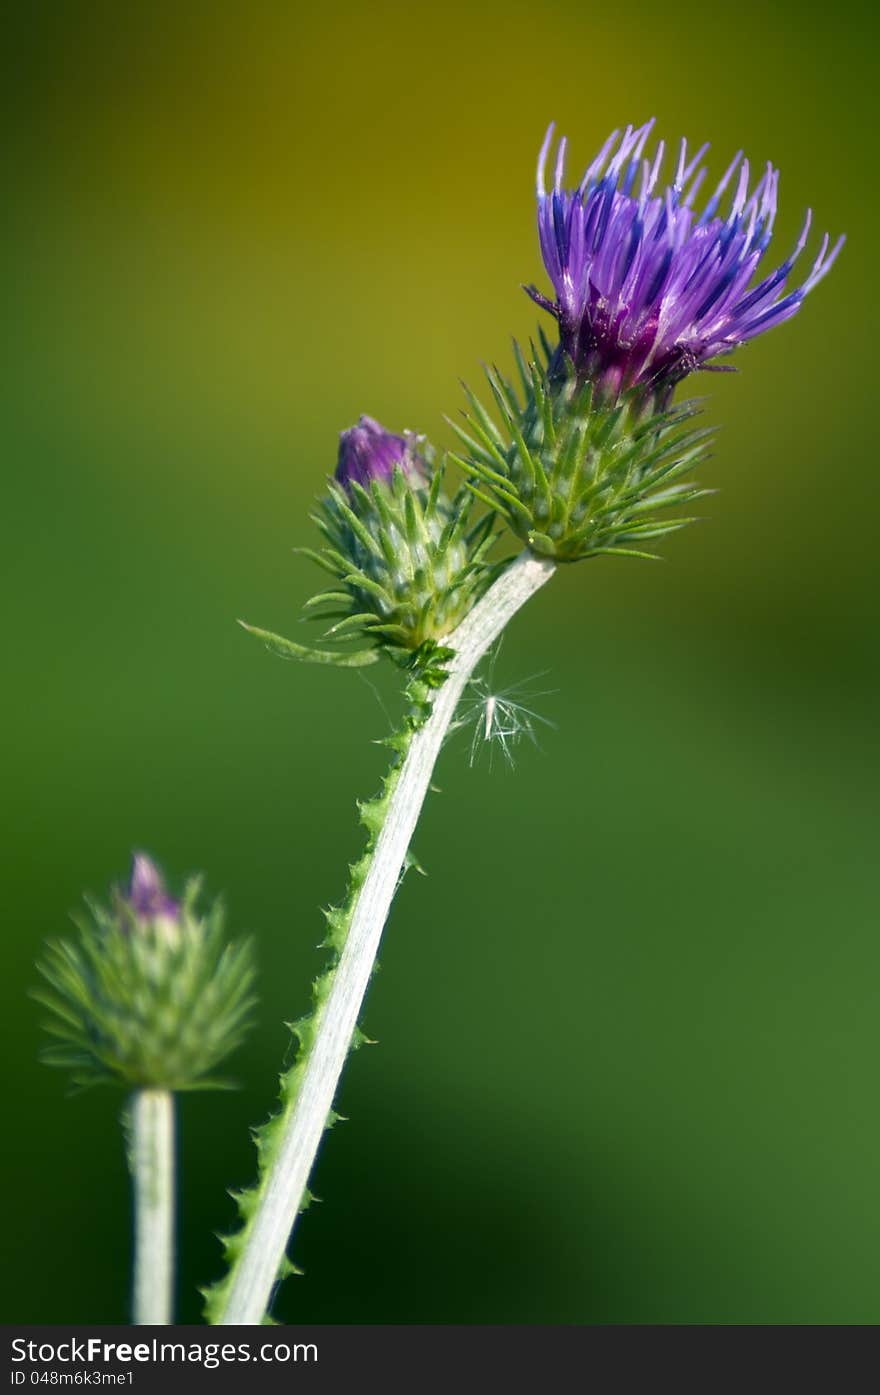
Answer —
(284, 1186)
(152, 1169)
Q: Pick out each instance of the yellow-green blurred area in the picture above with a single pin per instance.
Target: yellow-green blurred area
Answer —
(628, 1025)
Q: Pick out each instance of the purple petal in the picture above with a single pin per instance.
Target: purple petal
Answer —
(646, 290)
(147, 893)
(368, 452)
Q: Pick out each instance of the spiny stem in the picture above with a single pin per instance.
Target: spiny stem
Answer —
(152, 1168)
(283, 1188)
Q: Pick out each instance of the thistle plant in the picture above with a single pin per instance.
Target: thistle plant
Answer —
(151, 997)
(587, 456)
(589, 453)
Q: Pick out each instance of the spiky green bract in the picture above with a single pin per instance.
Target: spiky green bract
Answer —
(574, 475)
(427, 674)
(407, 562)
(146, 1002)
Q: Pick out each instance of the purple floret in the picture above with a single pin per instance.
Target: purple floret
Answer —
(368, 452)
(647, 289)
(147, 893)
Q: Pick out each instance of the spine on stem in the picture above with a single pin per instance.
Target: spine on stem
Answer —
(268, 1137)
(287, 1144)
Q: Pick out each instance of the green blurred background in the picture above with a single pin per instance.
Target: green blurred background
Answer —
(628, 1026)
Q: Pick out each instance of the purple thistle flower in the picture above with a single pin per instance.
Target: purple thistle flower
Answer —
(646, 288)
(368, 452)
(147, 894)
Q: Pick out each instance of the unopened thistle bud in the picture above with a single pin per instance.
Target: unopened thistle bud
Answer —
(408, 566)
(151, 994)
(647, 290)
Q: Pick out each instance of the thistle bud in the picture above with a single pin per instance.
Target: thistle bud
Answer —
(408, 567)
(151, 994)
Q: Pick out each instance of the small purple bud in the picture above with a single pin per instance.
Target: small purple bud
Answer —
(368, 452)
(147, 894)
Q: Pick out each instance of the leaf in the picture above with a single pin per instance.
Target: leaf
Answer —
(625, 552)
(288, 649)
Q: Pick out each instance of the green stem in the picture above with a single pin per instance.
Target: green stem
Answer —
(152, 1167)
(288, 1144)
